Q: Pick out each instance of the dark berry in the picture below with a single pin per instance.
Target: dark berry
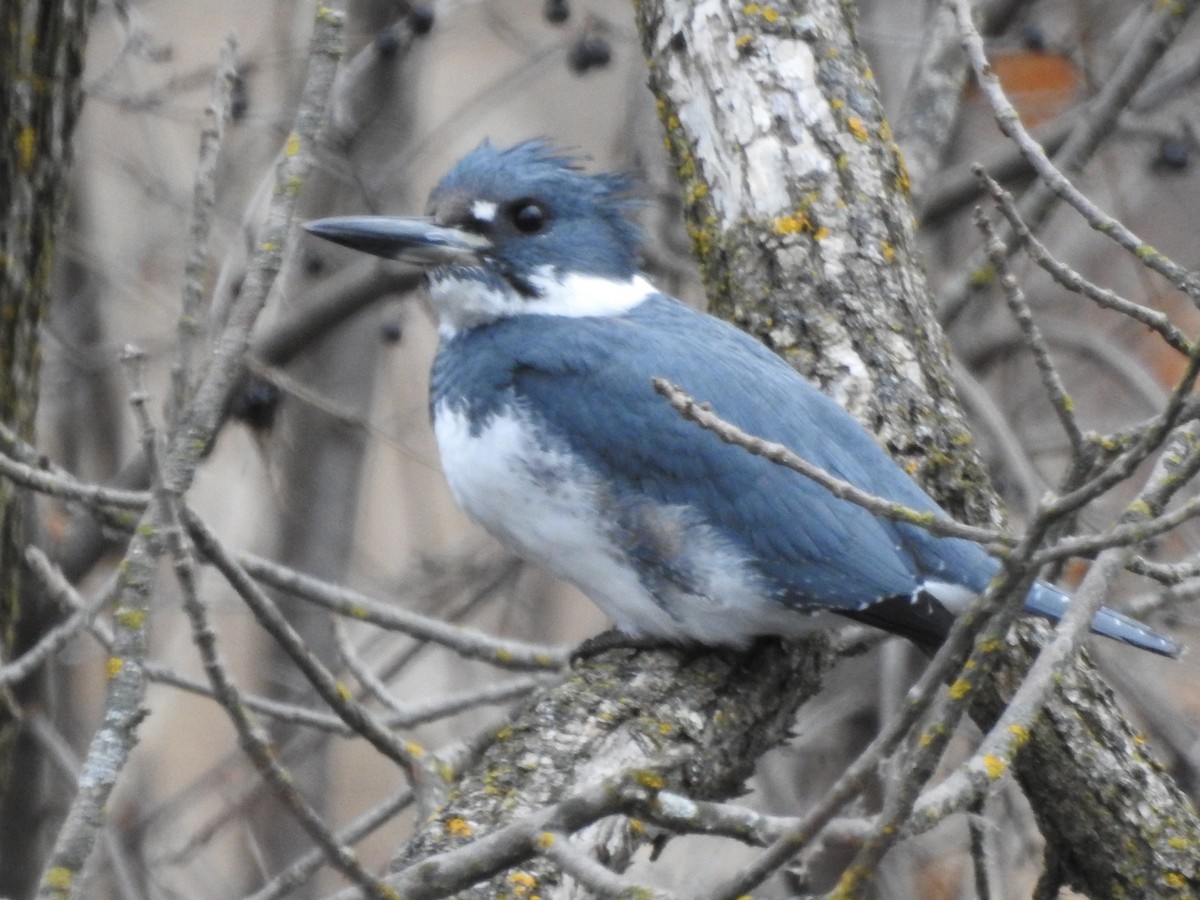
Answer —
(1034, 37)
(387, 43)
(589, 52)
(255, 404)
(1174, 153)
(557, 11)
(420, 19)
(391, 332)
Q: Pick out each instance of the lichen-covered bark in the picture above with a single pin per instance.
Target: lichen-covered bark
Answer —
(41, 61)
(706, 717)
(797, 202)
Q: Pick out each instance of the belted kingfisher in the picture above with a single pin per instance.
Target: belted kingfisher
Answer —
(554, 440)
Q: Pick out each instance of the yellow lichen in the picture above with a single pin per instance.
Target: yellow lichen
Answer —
(415, 750)
(1175, 880)
(59, 878)
(459, 827)
(994, 766)
(522, 883)
(651, 780)
(791, 224)
(26, 147)
(132, 619)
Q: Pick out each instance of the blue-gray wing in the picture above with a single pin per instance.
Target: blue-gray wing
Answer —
(812, 548)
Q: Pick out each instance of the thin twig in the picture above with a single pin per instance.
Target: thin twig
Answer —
(1163, 24)
(510, 845)
(57, 588)
(499, 652)
(307, 865)
(1153, 319)
(204, 202)
(408, 755)
(941, 525)
(56, 483)
(111, 744)
(1056, 391)
(596, 879)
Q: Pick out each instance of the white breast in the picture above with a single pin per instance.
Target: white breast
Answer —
(541, 502)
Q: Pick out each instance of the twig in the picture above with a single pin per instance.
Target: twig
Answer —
(1143, 442)
(57, 483)
(982, 408)
(1162, 26)
(228, 695)
(112, 742)
(1157, 321)
(978, 827)
(226, 362)
(307, 865)
(58, 749)
(365, 677)
(940, 525)
(1056, 392)
(407, 754)
(593, 877)
(57, 588)
(469, 643)
(508, 846)
(204, 201)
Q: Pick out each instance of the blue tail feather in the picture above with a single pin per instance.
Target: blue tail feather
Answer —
(1050, 603)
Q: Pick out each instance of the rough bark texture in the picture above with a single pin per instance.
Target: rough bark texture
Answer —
(41, 62)
(798, 206)
(797, 201)
(711, 715)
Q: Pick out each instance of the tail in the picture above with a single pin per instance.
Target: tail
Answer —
(1051, 603)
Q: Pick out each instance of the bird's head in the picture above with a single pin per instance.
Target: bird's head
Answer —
(512, 231)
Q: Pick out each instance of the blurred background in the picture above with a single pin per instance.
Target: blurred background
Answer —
(330, 465)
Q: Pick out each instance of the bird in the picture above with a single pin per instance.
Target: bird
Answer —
(553, 439)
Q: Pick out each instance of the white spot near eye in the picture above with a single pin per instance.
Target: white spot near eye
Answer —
(483, 210)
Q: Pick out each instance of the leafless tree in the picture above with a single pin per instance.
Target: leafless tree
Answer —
(379, 700)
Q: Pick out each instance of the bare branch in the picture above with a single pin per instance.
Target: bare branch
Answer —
(703, 416)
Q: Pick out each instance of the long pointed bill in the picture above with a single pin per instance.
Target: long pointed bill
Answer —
(415, 241)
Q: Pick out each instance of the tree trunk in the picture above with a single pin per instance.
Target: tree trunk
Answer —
(41, 63)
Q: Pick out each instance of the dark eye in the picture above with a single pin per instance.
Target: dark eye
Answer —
(528, 216)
